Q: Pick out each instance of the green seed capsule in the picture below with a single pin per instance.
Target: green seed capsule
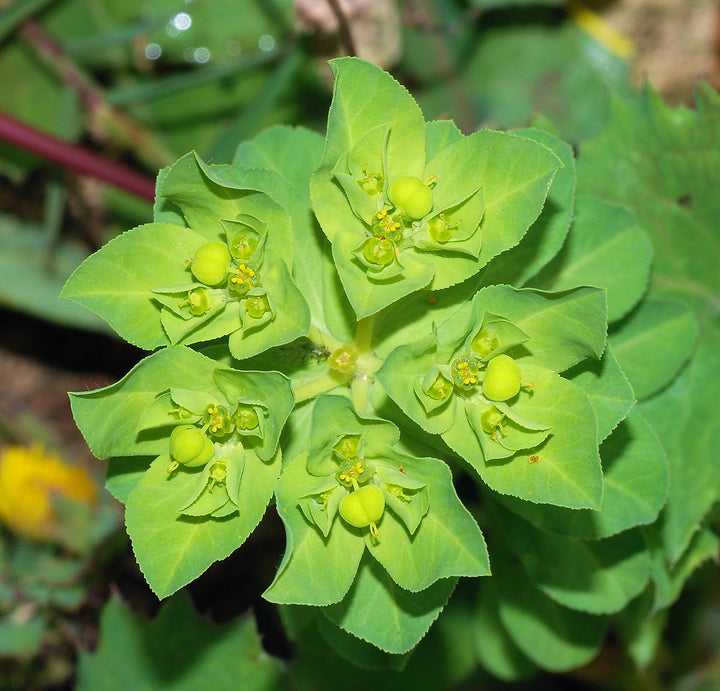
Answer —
(502, 378)
(190, 447)
(211, 263)
(412, 196)
(363, 507)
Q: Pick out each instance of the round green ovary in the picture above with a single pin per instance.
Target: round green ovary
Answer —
(211, 263)
(412, 196)
(189, 446)
(363, 507)
(502, 378)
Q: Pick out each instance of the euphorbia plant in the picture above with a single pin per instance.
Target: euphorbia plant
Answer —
(343, 326)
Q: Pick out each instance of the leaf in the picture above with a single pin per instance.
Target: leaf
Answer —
(292, 152)
(171, 549)
(563, 328)
(635, 480)
(291, 317)
(117, 281)
(32, 273)
(21, 637)
(564, 469)
(551, 636)
(680, 416)
(447, 543)
(108, 417)
(594, 576)
(366, 100)
(668, 580)
(547, 63)
(141, 654)
(514, 173)
(123, 473)
(495, 649)
(547, 234)
(653, 344)
(314, 570)
(607, 249)
(655, 160)
(378, 611)
(607, 389)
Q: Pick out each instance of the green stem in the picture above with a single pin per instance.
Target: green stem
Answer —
(324, 383)
(364, 334)
(360, 391)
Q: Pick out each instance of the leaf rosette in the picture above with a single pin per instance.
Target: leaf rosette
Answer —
(488, 384)
(220, 266)
(356, 489)
(394, 196)
(174, 406)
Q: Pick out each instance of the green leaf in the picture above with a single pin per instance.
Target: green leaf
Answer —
(292, 152)
(594, 576)
(495, 649)
(108, 417)
(315, 570)
(563, 328)
(334, 417)
(117, 281)
(32, 272)
(368, 296)
(551, 636)
(668, 580)
(21, 637)
(366, 101)
(447, 543)
(655, 160)
(290, 321)
(123, 473)
(547, 234)
(653, 344)
(378, 611)
(523, 64)
(140, 654)
(682, 416)
(172, 549)
(607, 389)
(606, 249)
(635, 479)
(564, 469)
(514, 173)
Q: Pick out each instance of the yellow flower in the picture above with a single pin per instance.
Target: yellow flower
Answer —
(30, 478)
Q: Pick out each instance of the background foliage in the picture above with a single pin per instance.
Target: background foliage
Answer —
(147, 82)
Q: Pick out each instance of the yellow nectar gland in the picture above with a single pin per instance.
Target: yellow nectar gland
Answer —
(343, 359)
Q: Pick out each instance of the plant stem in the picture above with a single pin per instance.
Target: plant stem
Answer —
(360, 391)
(324, 383)
(364, 334)
(75, 157)
(104, 120)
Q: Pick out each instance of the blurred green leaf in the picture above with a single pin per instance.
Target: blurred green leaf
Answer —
(177, 650)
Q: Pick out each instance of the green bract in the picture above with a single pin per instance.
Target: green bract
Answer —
(377, 161)
(349, 323)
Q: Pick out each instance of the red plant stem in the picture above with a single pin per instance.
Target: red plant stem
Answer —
(75, 157)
